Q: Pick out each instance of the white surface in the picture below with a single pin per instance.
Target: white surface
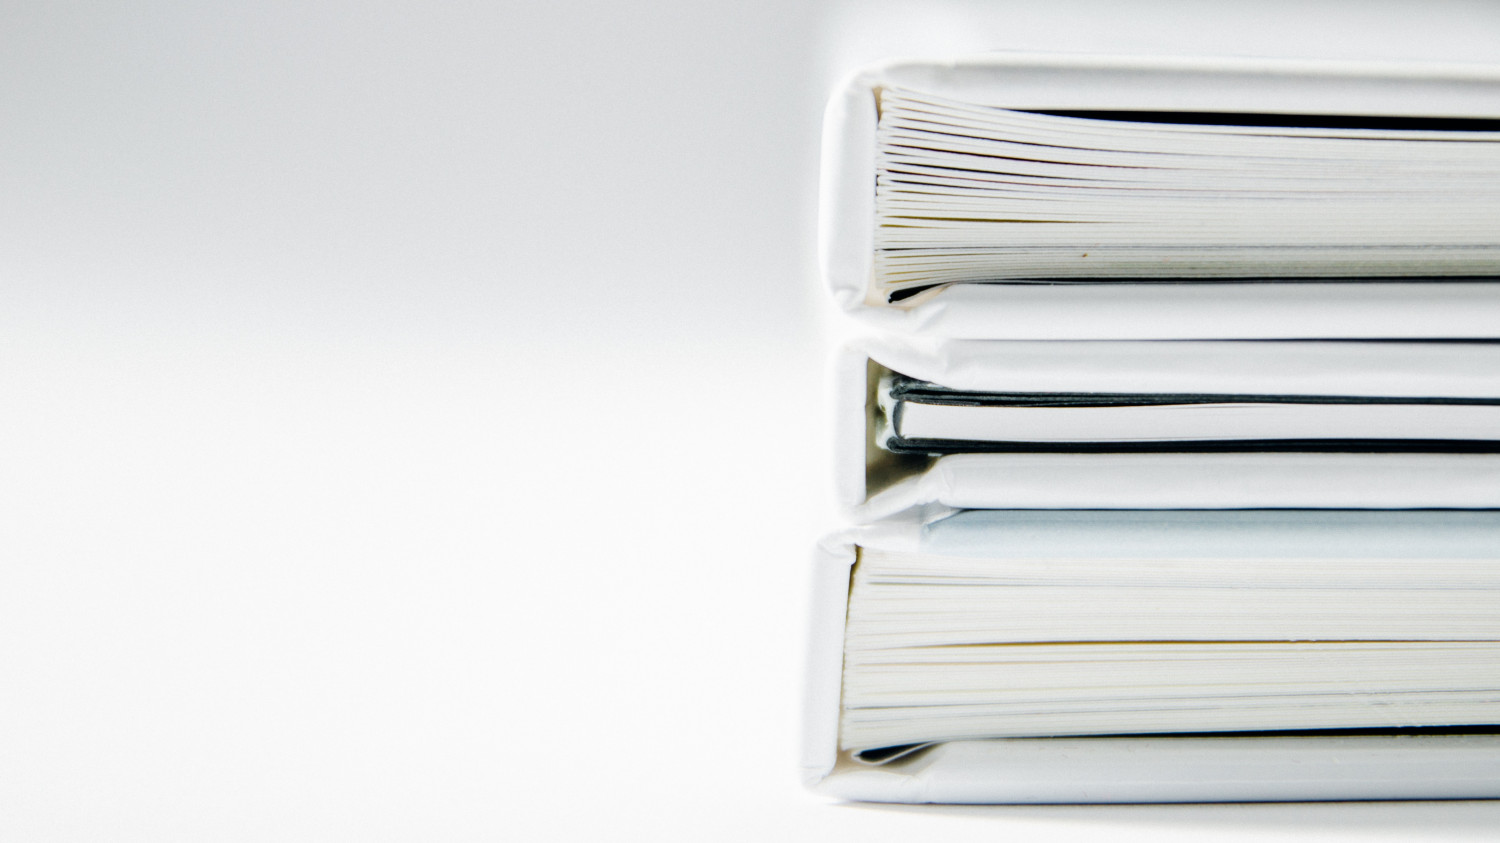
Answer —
(270, 567)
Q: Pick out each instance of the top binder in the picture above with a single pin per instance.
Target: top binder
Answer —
(1051, 197)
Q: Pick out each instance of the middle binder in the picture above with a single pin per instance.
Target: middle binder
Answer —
(1140, 425)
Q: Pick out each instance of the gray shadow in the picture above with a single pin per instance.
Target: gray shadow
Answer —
(1457, 819)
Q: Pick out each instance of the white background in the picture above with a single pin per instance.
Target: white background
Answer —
(384, 453)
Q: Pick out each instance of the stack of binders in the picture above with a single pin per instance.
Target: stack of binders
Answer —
(1171, 454)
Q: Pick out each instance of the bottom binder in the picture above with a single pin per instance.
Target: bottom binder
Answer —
(1401, 757)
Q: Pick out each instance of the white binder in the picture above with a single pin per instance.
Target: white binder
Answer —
(1208, 310)
(1229, 768)
(873, 483)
